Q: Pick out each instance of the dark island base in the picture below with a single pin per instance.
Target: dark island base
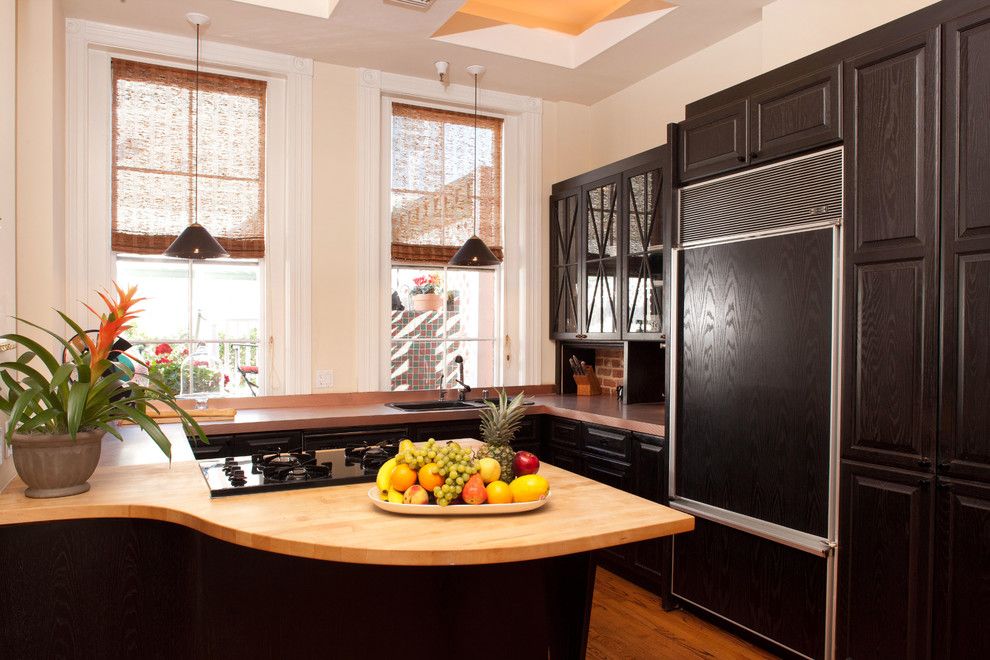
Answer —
(124, 588)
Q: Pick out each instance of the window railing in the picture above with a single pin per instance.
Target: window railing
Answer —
(220, 367)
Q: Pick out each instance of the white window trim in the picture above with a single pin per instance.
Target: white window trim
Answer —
(89, 259)
(520, 341)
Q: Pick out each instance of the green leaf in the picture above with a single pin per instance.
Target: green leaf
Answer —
(35, 380)
(62, 374)
(42, 419)
(72, 324)
(37, 348)
(65, 343)
(17, 411)
(25, 357)
(150, 427)
(76, 406)
(112, 430)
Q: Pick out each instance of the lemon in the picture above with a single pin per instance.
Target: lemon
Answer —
(529, 488)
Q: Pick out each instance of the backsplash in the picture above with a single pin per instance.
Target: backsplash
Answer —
(609, 368)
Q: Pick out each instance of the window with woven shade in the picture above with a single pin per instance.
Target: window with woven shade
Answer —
(154, 126)
(434, 187)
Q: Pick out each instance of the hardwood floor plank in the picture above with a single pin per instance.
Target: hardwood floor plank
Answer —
(627, 623)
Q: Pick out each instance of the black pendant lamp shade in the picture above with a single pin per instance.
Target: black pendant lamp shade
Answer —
(474, 252)
(195, 243)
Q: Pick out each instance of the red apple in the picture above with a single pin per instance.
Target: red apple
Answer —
(525, 463)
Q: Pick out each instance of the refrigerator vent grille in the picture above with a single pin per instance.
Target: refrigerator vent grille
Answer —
(806, 190)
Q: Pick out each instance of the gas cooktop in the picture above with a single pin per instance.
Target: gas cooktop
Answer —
(277, 470)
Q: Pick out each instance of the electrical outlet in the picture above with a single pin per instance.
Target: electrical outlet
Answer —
(324, 379)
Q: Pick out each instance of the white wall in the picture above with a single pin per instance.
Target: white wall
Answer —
(635, 118)
(8, 271)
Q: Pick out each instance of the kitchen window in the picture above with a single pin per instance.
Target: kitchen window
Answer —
(438, 313)
(207, 313)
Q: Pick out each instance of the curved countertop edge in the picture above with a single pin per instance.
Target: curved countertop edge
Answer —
(338, 523)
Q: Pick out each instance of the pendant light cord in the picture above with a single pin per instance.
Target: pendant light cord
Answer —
(474, 199)
(196, 140)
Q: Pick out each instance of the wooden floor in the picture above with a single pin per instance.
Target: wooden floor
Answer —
(627, 623)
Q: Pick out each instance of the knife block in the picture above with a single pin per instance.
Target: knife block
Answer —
(588, 385)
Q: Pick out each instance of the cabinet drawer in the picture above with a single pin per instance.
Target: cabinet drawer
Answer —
(611, 473)
(611, 442)
(469, 428)
(567, 460)
(565, 433)
(338, 438)
(219, 447)
(796, 116)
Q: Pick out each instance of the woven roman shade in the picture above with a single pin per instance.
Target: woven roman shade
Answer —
(152, 170)
(433, 183)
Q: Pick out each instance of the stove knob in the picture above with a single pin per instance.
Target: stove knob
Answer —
(238, 482)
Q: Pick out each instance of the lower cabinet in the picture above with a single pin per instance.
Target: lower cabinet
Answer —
(962, 570)
(340, 438)
(884, 605)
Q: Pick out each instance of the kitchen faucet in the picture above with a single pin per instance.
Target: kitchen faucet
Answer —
(443, 392)
(465, 388)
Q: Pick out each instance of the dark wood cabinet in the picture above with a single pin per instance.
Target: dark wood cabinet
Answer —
(245, 444)
(648, 558)
(565, 264)
(339, 438)
(891, 293)
(452, 430)
(606, 254)
(884, 606)
(644, 207)
(571, 461)
(799, 115)
(714, 142)
(613, 444)
(962, 570)
(964, 434)
(218, 447)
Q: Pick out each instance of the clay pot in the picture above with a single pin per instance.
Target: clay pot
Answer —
(56, 465)
(428, 302)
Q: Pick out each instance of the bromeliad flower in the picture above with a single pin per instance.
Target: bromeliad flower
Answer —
(113, 323)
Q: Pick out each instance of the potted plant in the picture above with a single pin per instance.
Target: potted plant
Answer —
(427, 295)
(59, 410)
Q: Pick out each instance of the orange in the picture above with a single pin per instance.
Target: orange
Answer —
(429, 477)
(403, 477)
(499, 493)
(530, 488)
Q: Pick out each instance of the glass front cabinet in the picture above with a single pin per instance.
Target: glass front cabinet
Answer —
(606, 252)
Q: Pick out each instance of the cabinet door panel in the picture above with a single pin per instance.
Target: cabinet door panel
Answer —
(565, 258)
(643, 250)
(714, 142)
(962, 571)
(567, 460)
(890, 366)
(884, 563)
(890, 98)
(796, 116)
(964, 450)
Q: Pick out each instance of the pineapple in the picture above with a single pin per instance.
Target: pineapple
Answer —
(499, 424)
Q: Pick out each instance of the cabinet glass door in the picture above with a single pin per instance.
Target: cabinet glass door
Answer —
(602, 263)
(565, 246)
(644, 254)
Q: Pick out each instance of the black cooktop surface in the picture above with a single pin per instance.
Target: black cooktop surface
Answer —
(271, 471)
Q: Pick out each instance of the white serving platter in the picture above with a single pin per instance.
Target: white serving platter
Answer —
(453, 509)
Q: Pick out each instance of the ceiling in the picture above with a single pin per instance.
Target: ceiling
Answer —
(379, 35)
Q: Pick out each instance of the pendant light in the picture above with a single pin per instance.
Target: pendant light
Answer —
(195, 242)
(474, 252)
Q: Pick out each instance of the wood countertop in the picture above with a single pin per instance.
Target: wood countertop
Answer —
(338, 523)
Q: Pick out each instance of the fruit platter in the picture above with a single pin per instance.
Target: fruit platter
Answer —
(435, 478)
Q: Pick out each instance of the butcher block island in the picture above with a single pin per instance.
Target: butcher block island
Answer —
(147, 564)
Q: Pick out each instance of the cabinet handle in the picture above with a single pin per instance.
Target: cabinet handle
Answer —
(741, 159)
(924, 462)
(943, 485)
(581, 336)
(924, 483)
(944, 465)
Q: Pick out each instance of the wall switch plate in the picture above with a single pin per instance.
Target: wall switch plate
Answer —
(324, 379)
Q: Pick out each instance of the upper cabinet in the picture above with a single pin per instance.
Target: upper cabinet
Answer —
(606, 255)
(601, 263)
(565, 266)
(643, 249)
(799, 115)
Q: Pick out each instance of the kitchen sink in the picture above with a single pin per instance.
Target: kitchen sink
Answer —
(434, 405)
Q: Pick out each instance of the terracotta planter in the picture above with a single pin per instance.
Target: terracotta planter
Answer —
(56, 465)
(428, 302)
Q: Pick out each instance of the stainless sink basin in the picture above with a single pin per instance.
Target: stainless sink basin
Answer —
(434, 405)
